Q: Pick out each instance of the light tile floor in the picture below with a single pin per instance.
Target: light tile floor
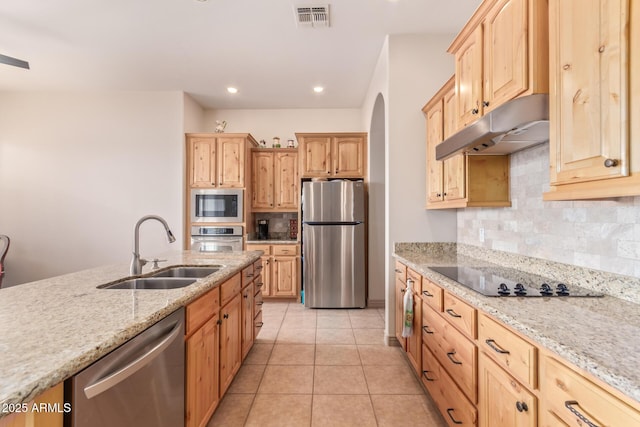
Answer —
(324, 368)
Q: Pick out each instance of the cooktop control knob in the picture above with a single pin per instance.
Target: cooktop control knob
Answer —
(520, 290)
(546, 290)
(562, 290)
(503, 290)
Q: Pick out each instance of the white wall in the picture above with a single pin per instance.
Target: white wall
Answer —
(193, 116)
(284, 123)
(417, 66)
(77, 170)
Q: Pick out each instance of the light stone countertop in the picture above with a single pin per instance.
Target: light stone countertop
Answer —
(600, 335)
(53, 328)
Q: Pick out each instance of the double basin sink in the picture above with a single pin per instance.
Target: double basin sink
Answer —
(168, 278)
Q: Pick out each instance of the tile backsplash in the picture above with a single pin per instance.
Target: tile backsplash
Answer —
(599, 234)
(278, 223)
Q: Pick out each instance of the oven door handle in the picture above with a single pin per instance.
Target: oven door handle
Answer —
(114, 378)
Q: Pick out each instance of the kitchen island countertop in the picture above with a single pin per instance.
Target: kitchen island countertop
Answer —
(598, 335)
(53, 328)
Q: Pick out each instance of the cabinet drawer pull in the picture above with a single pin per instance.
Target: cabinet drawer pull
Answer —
(259, 268)
(398, 271)
(427, 294)
(260, 303)
(569, 404)
(522, 406)
(259, 285)
(492, 343)
(449, 411)
(425, 328)
(424, 374)
(609, 163)
(454, 361)
(249, 275)
(452, 313)
(259, 324)
(226, 316)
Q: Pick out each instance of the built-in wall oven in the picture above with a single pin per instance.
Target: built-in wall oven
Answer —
(217, 238)
(216, 205)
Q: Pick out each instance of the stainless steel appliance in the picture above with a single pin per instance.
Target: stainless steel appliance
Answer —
(263, 229)
(217, 238)
(216, 205)
(333, 235)
(140, 384)
(497, 281)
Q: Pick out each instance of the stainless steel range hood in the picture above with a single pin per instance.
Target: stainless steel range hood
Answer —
(514, 126)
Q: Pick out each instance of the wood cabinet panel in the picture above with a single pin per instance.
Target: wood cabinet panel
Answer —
(202, 380)
(401, 272)
(284, 250)
(348, 157)
(203, 162)
(401, 288)
(340, 155)
(432, 294)
(513, 353)
(286, 192)
(503, 401)
(435, 135)
(315, 156)
(461, 315)
(202, 309)
(247, 275)
(414, 341)
(568, 396)
(468, 59)
(285, 276)
(53, 396)
(230, 288)
(262, 178)
(230, 341)
(247, 319)
(416, 281)
(231, 157)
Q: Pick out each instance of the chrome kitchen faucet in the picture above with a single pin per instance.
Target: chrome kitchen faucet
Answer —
(137, 263)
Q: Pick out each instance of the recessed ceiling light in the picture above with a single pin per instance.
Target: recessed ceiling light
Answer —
(231, 89)
(318, 89)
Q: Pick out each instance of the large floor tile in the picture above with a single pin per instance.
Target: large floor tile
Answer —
(232, 411)
(259, 354)
(296, 336)
(267, 335)
(339, 322)
(406, 410)
(342, 411)
(382, 355)
(280, 379)
(335, 336)
(247, 379)
(367, 322)
(369, 336)
(332, 312)
(391, 380)
(339, 380)
(280, 410)
(297, 321)
(337, 354)
(293, 354)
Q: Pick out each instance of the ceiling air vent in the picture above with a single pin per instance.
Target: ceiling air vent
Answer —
(312, 15)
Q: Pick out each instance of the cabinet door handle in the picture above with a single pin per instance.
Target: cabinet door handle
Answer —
(424, 374)
(260, 303)
(474, 112)
(609, 163)
(452, 313)
(219, 322)
(259, 324)
(425, 328)
(522, 406)
(569, 404)
(449, 411)
(485, 103)
(246, 296)
(453, 360)
(226, 316)
(492, 343)
(398, 271)
(427, 294)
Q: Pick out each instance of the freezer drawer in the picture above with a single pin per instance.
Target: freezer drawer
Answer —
(334, 266)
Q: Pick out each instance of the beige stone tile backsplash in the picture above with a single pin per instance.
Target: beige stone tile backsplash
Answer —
(600, 234)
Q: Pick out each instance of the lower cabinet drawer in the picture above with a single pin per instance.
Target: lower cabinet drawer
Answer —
(432, 294)
(576, 401)
(453, 405)
(230, 288)
(201, 310)
(257, 324)
(513, 353)
(454, 351)
(460, 314)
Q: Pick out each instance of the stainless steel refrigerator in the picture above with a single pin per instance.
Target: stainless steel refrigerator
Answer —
(333, 244)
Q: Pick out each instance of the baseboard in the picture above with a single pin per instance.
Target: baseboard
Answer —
(375, 303)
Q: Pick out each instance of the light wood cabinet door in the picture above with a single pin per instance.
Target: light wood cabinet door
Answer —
(399, 312)
(435, 135)
(230, 342)
(247, 319)
(505, 53)
(589, 77)
(231, 157)
(262, 175)
(203, 162)
(503, 401)
(202, 380)
(285, 167)
(450, 112)
(54, 398)
(348, 155)
(285, 276)
(315, 156)
(469, 78)
(414, 342)
(453, 181)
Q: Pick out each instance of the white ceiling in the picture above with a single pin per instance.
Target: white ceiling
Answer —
(203, 47)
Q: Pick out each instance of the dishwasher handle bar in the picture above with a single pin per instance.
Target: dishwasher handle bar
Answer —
(122, 374)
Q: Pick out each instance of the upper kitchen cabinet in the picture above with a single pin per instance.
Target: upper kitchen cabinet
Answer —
(460, 181)
(217, 160)
(595, 102)
(332, 155)
(501, 53)
(274, 180)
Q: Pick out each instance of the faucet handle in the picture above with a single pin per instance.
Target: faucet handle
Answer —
(155, 263)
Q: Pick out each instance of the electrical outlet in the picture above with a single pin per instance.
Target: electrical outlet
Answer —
(481, 234)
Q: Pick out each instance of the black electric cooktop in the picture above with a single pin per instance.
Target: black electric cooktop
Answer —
(496, 281)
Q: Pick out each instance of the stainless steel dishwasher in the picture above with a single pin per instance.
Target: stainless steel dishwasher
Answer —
(141, 383)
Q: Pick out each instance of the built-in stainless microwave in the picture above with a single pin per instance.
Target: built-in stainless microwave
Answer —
(216, 205)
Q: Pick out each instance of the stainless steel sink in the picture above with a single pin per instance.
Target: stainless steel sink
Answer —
(188, 271)
(151, 283)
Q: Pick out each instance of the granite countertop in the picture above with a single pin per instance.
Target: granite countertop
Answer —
(599, 335)
(53, 328)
